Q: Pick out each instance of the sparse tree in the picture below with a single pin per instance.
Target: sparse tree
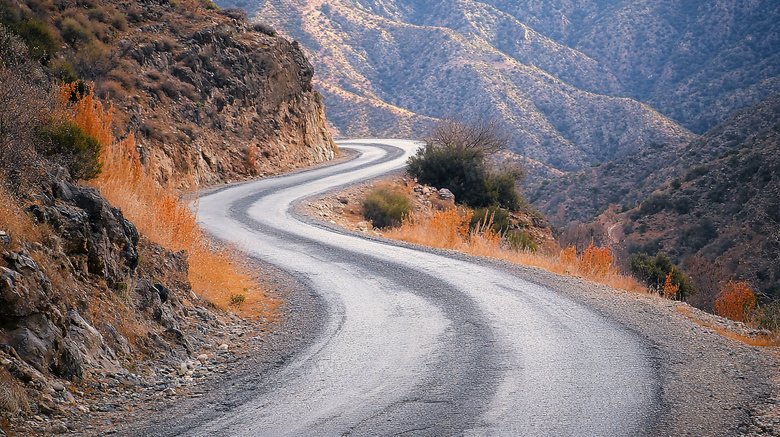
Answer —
(454, 157)
(482, 135)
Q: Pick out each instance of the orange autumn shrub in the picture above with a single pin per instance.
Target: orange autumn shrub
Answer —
(735, 301)
(596, 261)
(569, 256)
(669, 290)
(450, 226)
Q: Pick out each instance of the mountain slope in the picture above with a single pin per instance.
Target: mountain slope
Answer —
(695, 61)
(210, 97)
(424, 70)
(716, 199)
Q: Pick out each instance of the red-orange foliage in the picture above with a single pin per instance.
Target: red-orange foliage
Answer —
(451, 226)
(569, 255)
(735, 301)
(596, 261)
(670, 290)
(88, 113)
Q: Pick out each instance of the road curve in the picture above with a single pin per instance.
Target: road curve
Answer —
(418, 342)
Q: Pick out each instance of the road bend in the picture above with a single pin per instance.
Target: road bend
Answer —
(419, 341)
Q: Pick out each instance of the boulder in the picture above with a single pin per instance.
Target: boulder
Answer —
(24, 288)
(445, 194)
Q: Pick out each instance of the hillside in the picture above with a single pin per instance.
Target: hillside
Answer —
(104, 308)
(694, 61)
(391, 74)
(210, 97)
(711, 203)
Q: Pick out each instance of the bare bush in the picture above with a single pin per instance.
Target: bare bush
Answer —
(482, 135)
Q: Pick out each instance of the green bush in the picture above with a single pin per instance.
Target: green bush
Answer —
(654, 204)
(43, 45)
(386, 208)
(500, 218)
(653, 272)
(463, 171)
(519, 241)
(74, 32)
(502, 190)
(68, 144)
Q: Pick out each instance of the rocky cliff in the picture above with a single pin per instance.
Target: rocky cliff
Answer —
(211, 97)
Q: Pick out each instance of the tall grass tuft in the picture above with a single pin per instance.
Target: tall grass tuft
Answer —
(450, 230)
(158, 212)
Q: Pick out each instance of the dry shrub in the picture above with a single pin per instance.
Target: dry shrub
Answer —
(158, 213)
(13, 399)
(450, 230)
(16, 222)
(670, 290)
(155, 210)
(735, 301)
(596, 261)
(86, 111)
(569, 255)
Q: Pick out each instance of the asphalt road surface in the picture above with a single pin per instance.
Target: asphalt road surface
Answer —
(421, 342)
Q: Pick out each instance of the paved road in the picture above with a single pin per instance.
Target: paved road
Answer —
(418, 342)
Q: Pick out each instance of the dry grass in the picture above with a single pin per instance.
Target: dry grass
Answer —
(159, 213)
(13, 400)
(16, 222)
(450, 230)
(758, 340)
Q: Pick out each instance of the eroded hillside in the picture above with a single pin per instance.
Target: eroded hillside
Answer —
(390, 74)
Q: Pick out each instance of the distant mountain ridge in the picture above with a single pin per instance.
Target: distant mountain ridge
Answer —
(383, 76)
(562, 75)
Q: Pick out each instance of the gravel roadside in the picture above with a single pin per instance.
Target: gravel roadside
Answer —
(710, 384)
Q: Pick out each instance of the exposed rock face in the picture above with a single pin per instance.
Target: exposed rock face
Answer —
(221, 101)
(93, 257)
(209, 97)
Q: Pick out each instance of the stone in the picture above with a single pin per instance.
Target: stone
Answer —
(445, 194)
(59, 428)
(68, 397)
(223, 347)
(57, 386)
(169, 392)
(203, 358)
(182, 369)
(47, 406)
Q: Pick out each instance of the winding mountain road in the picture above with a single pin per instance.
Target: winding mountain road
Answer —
(419, 342)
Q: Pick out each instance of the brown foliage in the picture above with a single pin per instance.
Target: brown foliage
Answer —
(670, 290)
(450, 230)
(87, 112)
(482, 135)
(735, 301)
(596, 261)
(569, 255)
(158, 213)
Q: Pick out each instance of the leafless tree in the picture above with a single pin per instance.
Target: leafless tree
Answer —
(483, 135)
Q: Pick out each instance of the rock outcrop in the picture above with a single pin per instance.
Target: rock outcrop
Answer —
(219, 100)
